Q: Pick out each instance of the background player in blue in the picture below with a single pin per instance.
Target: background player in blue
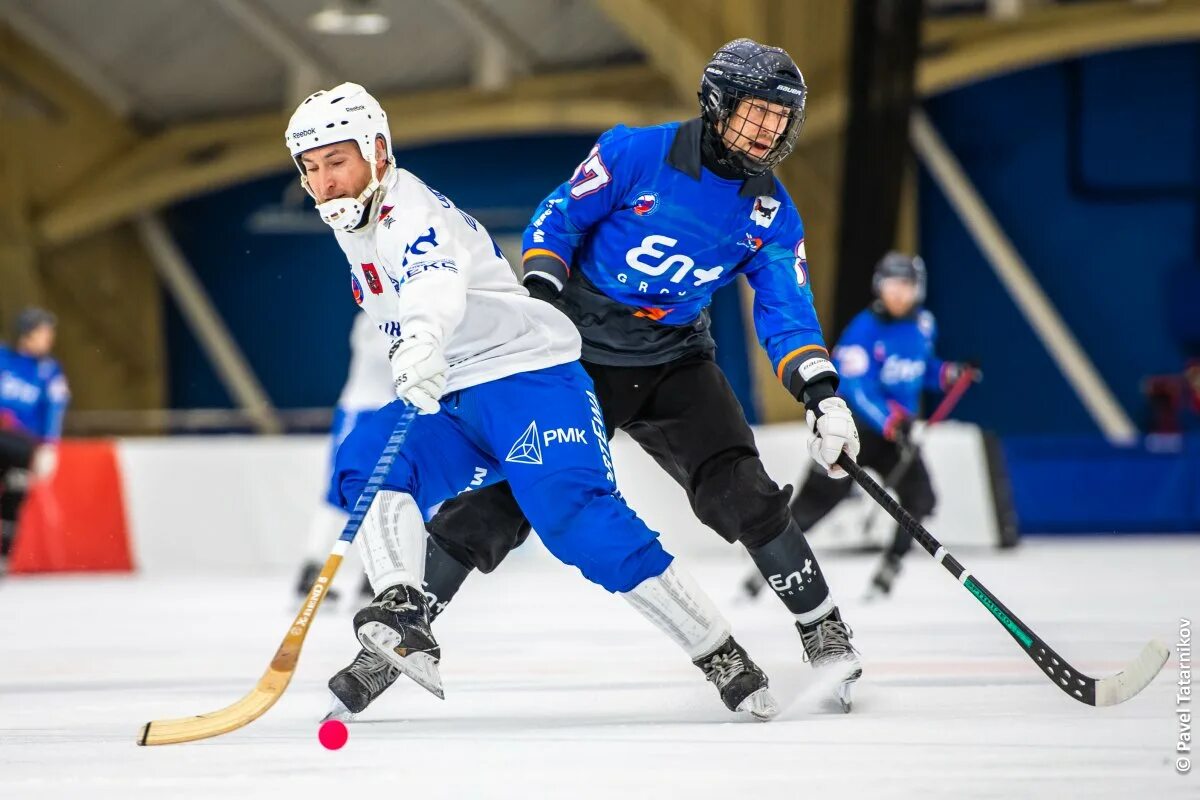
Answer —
(495, 376)
(632, 247)
(886, 359)
(33, 398)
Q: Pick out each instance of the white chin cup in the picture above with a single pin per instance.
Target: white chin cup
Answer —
(342, 214)
(346, 213)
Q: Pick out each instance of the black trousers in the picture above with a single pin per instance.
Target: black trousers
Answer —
(686, 416)
(16, 455)
(820, 493)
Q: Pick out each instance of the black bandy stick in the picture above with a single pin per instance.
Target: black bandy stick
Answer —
(1104, 692)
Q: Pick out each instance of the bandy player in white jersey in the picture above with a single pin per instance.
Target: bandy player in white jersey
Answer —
(368, 388)
(496, 377)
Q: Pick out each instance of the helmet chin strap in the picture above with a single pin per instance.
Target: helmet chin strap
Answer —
(348, 213)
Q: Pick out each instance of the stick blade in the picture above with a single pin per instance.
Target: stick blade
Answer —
(1137, 676)
(189, 729)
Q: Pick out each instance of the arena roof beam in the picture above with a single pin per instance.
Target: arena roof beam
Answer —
(305, 72)
(962, 51)
(209, 156)
(114, 97)
(657, 33)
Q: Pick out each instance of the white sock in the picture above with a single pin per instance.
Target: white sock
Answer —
(679, 608)
(392, 541)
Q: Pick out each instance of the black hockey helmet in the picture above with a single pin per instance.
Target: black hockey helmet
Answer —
(901, 265)
(745, 69)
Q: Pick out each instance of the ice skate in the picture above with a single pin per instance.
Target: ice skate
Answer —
(743, 686)
(395, 627)
(827, 647)
(883, 579)
(356, 686)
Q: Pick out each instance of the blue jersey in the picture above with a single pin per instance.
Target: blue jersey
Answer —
(642, 235)
(33, 394)
(884, 364)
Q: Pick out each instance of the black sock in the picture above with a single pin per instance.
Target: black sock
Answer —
(790, 567)
(444, 574)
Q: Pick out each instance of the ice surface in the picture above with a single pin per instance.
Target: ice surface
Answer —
(556, 689)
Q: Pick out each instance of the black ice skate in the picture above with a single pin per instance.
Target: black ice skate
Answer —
(356, 686)
(827, 647)
(308, 576)
(395, 627)
(884, 578)
(743, 686)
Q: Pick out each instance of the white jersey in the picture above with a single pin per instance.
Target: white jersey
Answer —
(369, 383)
(424, 266)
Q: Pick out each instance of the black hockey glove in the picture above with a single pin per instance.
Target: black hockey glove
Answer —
(541, 289)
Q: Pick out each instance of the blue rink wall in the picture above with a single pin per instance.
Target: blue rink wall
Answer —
(1092, 167)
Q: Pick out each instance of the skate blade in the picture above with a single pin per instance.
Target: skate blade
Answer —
(338, 710)
(834, 682)
(761, 705)
(421, 668)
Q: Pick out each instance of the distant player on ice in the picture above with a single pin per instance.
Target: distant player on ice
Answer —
(33, 399)
(632, 248)
(886, 359)
(368, 388)
(496, 376)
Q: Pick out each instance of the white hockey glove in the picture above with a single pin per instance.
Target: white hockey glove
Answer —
(833, 431)
(419, 372)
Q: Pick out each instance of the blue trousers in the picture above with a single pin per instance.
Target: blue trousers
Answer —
(344, 421)
(541, 431)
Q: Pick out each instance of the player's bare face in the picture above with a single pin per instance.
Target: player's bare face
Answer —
(898, 295)
(38, 342)
(754, 127)
(335, 171)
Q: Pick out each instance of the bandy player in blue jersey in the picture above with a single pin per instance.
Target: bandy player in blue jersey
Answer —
(632, 248)
(33, 398)
(886, 359)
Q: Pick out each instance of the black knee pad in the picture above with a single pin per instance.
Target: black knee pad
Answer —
(733, 495)
(480, 528)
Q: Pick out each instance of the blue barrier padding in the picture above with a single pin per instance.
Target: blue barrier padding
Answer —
(1083, 484)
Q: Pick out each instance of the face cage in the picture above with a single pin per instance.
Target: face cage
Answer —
(784, 144)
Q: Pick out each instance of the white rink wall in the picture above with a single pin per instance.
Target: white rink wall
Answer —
(244, 503)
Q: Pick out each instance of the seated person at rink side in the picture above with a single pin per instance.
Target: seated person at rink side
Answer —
(631, 248)
(886, 358)
(496, 377)
(33, 399)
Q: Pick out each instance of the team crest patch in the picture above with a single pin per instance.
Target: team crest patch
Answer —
(645, 204)
(356, 289)
(764, 210)
(373, 282)
(527, 449)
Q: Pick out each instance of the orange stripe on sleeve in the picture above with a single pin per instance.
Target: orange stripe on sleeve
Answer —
(538, 251)
(798, 351)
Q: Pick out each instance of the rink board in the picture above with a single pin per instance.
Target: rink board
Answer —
(245, 502)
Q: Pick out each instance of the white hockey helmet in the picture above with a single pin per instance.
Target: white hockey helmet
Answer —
(345, 113)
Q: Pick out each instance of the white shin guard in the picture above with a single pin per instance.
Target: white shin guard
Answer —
(392, 541)
(679, 608)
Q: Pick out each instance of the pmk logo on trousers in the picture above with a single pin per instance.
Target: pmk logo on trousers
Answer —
(528, 448)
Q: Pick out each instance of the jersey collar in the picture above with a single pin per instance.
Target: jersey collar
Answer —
(685, 157)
